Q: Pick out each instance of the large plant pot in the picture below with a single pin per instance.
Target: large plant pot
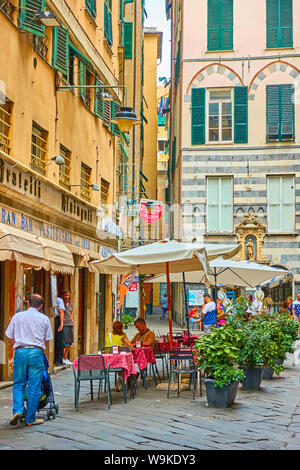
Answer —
(253, 376)
(267, 373)
(220, 397)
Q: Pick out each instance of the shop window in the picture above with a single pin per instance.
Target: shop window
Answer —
(281, 203)
(219, 211)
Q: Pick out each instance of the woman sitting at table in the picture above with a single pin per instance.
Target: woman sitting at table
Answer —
(117, 337)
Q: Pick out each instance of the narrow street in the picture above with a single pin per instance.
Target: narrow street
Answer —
(265, 420)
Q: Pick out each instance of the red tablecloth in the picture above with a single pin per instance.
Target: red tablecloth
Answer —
(186, 339)
(142, 357)
(165, 345)
(116, 361)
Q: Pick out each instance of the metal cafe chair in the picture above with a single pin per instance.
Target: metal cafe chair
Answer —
(91, 367)
(109, 350)
(162, 355)
(177, 356)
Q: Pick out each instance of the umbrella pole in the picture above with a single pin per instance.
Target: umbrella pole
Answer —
(186, 310)
(169, 305)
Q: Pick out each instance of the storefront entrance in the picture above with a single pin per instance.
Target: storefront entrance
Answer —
(101, 301)
(83, 278)
(2, 332)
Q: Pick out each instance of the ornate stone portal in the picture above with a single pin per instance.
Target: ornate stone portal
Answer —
(251, 233)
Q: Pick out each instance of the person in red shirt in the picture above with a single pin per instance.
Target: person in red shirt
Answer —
(195, 316)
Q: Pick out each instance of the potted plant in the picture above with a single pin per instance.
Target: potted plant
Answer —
(216, 354)
(126, 320)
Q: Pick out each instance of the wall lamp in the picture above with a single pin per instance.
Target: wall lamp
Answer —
(59, 160)
(45, 18)
(125, 118)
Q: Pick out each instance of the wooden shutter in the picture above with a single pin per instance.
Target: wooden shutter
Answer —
(91, 6)
(198, 116)
(106, 113)
(241, 114)
(279, 23)
(213, 26)
(98, 106)
(60, 58)
(273, 112)
(115, 108)
(107, 24)
(82, 80)
(26, 14)
(272, 23)
(226, 33)
(287, 112)
(128, 29)
(286, 23)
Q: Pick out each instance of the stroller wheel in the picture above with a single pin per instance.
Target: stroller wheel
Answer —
(53, 414)
(56, 409)
(48, 415)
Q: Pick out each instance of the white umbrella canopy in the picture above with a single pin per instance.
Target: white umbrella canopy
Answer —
(152, 258)
(229, 273)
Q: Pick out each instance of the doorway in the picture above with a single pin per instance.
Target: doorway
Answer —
(101, 302)
(83, 274)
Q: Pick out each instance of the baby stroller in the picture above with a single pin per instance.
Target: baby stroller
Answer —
(47, 395)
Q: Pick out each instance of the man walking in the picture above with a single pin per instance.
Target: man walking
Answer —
(28, 333)
(296, 308)
(209, 314)
(59, 332)
(68, 325)
(164, 306)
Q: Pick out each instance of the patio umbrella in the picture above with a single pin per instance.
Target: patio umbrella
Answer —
(163, 257)
(228, 273)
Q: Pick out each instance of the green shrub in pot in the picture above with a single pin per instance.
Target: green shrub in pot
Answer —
(127, 320)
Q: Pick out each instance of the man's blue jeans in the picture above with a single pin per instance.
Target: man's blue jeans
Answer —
(28, 368)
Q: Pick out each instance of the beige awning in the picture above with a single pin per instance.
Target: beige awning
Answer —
(58, 258)
(21, 246)
(84, 257)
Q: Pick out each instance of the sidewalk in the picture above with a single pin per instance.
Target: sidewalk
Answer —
(269, 419)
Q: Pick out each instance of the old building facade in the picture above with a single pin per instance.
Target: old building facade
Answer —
(235, 126)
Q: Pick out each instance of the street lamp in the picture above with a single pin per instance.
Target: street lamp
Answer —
(59, 160)
(94, 187)
(46, 18)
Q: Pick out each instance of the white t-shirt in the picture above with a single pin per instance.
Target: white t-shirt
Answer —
(209, 307)
(60, 306)
(30, 328)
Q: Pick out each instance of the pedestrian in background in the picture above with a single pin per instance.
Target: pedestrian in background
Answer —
(164, 306)
(296, 307)
(59, 332)
(28, 332)
(290, 305)
(68, 325)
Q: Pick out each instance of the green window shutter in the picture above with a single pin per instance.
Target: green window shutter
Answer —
(280, 113)
(213, 25)
(219, 25)
(177, 63)
(82, 80)
(115, 108)
(91, 6)
(279, 23)
(286, 23)
(198, 116)
(128, 29)
(241, 114)
(173, 162)
(226, 33)
(108, 22)
(98, 107)
(129, 1)
(26, 14)
(60, 58)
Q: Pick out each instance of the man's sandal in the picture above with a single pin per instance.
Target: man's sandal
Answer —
(16, 419)
(37, 421)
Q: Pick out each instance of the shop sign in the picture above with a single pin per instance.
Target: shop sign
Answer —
(150, 211)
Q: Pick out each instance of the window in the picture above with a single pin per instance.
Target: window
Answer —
(85, 78)
(128, 30)
(91, 6)
(5, 126)
(108, 21)
(280, 113)
(279, 23)
(65, 169)
(38, 149)
(162, 145)
(115, 108)
(104, 191)
(220, 25)
(281, 203)
(219, 204)
(220, 116)
(85, 182)
(26, 14)
(223, 105)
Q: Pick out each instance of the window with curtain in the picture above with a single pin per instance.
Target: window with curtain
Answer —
(219, 205)
(281, 203)
(279, 23)
(220, 116)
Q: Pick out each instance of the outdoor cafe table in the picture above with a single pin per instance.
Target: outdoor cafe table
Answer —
(143, 356)
(165, 345)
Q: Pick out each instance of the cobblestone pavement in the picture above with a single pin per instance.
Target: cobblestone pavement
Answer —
(268, 419)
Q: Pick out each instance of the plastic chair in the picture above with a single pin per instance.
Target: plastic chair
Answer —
(91, 367)
(183, 355)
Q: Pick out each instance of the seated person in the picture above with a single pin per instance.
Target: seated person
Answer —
(117, 337)
(144, 335)
(285, 307)
(195, 316)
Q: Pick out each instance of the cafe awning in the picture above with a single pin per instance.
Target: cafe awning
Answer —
(57, 257)
(21, 246)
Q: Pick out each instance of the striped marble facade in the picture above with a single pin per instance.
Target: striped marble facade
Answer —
(249, 170)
